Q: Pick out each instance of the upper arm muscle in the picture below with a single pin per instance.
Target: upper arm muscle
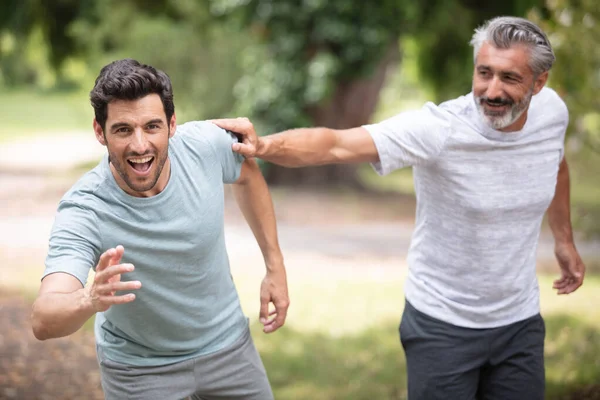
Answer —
(59, 282)
(355, 146)
(249, 168)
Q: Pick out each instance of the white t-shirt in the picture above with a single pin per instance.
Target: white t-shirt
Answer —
(481, 196)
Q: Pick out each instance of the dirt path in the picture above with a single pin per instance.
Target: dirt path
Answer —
(29, 369)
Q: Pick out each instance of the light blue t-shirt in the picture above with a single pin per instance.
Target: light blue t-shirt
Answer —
(188, 305)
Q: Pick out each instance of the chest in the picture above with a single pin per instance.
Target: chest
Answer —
(495, 183)
(184, 228)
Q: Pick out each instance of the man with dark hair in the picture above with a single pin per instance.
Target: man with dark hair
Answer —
(149, 220)
(486, 166)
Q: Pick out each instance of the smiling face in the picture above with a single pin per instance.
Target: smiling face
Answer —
(137, 137)
(503, 85)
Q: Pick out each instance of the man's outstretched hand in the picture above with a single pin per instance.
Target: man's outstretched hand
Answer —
(101, 294)
(250, 144)
(274, 290)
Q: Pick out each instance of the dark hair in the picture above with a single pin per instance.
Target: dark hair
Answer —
(129, 80)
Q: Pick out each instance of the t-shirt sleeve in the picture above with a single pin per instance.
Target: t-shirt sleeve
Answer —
(75, 244)
(220, 142)
(564, 113)
(410, 138)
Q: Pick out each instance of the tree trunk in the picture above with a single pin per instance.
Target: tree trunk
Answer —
(351, 106)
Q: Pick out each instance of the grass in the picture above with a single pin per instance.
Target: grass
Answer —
(30, 113)
(342, 341)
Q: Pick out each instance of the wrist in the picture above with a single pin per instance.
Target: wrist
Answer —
(262, 146)
(86, 304)
(274, 264)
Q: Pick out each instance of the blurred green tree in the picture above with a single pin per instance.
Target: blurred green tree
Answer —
(324, 62)
(574, 30)
(180, 37)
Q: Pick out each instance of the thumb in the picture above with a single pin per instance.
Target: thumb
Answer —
(243, 149)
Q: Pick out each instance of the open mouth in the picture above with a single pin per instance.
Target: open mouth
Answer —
(496, 104)
(141, 165)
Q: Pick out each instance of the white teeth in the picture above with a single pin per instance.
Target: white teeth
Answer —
(140, 160)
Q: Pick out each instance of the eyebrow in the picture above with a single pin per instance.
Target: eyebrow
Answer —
(506, 73)
(118, 125)
(154, 121)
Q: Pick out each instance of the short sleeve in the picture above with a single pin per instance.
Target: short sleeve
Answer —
(410, 138)
(220, 142)
(74, 245)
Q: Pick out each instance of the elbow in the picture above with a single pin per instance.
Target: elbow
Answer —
(40, 331)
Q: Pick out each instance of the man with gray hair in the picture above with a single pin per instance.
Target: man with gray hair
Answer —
(487, 166)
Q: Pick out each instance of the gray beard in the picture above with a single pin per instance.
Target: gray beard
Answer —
(513, 114)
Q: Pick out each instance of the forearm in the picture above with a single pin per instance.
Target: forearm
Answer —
(559, 212)
(255, 202)
(298, 147)
(60, 314)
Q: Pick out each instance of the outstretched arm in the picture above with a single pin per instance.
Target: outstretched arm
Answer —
(303, 147)
(559, 218)
(252, 195)
(63, 305)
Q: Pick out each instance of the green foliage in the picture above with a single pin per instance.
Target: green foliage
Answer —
(445, 56)
(39, 113)
(200, 58)
(574, 30)
(573, 27)
(309, 49)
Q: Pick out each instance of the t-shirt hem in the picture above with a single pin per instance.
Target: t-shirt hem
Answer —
(453, 319)
(157, 361)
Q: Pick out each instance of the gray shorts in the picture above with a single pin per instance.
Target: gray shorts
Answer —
(444, 361)
(235, 372)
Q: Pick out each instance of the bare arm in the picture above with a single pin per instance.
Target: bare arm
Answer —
(303, 147)
(63, 305)
(559, 212)
(253, 197)
(559, 219)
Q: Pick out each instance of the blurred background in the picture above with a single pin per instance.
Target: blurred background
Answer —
(344, 231)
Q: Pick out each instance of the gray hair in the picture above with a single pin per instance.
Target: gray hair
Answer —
(504, 32)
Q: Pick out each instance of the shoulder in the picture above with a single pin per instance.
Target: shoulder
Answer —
(459, 106)
(202, 131)
(549, 103)
(84, 194)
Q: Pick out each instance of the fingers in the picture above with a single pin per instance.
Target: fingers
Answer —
(244, 149)
(105, 259)
(110, 257)
(112, 287)
(571, 280)
(570, 288)
(117, 255)
(242, 126)
(280, 313)
(561, 283)
(264, 309)
(104, 275)
(112, 300)
(281, 309)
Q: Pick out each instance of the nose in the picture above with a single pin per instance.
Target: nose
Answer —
(494, 89)
(139, 144)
